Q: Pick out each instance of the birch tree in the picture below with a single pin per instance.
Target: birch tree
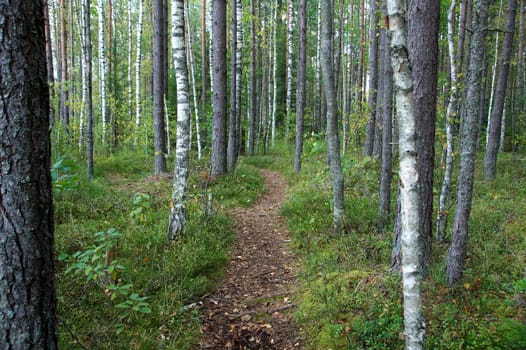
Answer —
(138, 62)
(300, 88)
(130, 68)
(290, 53)
(88, 85)
(239, 72)
(457, 251)
(450, 114)
(414, 327)
(219, 145)
(27, 271)
(252, 93)
(177, 220)
(102, 65)
(333, 141)
(496, 119)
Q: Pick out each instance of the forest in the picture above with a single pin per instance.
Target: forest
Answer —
(251, 174)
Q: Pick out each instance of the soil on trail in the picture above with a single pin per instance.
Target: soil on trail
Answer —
(251, 308)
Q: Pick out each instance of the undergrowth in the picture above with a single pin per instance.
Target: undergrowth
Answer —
(348, 300)
(146, 297)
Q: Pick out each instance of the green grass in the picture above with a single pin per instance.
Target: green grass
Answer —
(348, 300)
(171, 275)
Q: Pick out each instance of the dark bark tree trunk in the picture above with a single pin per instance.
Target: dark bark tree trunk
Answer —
(64, 109)
(423, 27)
(300, 87)
(219, 100)
(204, 74)
(253, 100)
(492, 147)
(27, 271)
(373, 78)
(333, 140)
(232, 132)
(89, 86)
(387, 150)
(159, 127)
(457, 251)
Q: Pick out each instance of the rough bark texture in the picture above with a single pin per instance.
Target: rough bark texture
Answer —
(414, 326)
(333, 140)
(457, 251)
(253, 100)
(387, 136)
(232, 131)
(300, 87)
(159, 127)
(49, 59)
(423, 27)
(494, 132)
(27, 281)
(373, 78)
(177, 221)
(219, 144)
(450, 114)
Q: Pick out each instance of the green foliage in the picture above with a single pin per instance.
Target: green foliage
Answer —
(138, 300)
(64, 176)
(346, 299)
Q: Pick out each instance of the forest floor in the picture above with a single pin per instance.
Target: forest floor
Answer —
(251, 307)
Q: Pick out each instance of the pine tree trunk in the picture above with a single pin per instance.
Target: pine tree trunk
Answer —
(373, 78)
(159, 127)
(333, 141)
(49, 60)
(219, 100)
(64, 97)
(496, 121)
(414, 328)
(253, 100)
(138, 63)
(300, 88)
(318, 115)
(457, 251)
(192, 81)
(387, 115)
(423, 27)
(88, 76)
(177, 221)
(450, 115)
(232, 133)
(27, 270)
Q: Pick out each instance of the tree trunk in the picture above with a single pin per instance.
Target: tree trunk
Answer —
(373, 78)
(88, 86)
(333, 141)
(130, 45)
(495, 124)
(423, 27)
(177, 221)
(63, 101)
(27, 271)
(204, 74)
(253, 101)
(232, 132)
(387, 133)
(49, 60)
(138, 63)
(414, 328)
(457, 251)
(219, 144)
(159, 127)
(290, 53)
(450, 114)
(239, 73)
(102, 66)
(274, 73)
(300, 87)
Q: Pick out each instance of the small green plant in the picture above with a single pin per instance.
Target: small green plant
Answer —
(141, 201)
(63, 175)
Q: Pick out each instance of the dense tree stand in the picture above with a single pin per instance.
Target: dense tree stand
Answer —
(251, 308)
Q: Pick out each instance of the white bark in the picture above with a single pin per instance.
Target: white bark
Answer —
(411, 271)
(274, 70)
(450, 115)
(239, 70)
(102, 66)
(177, 220)
(192, 78)
(138, 62)
(130, 45)
(290, 53)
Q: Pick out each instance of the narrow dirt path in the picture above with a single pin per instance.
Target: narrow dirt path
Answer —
(251, 308)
